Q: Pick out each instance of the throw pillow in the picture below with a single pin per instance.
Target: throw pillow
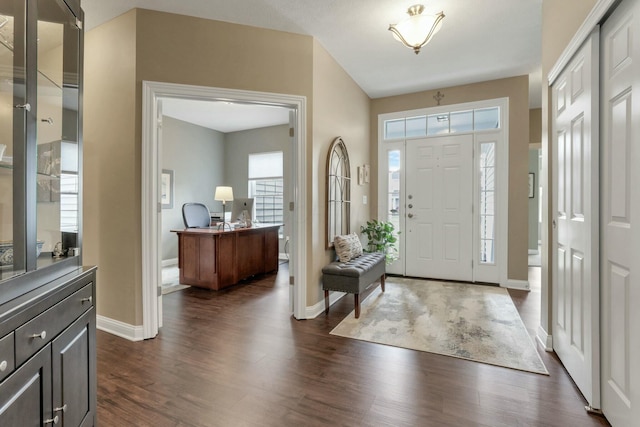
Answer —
(347, 247)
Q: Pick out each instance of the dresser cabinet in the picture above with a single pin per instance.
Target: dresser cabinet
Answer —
(48, 352)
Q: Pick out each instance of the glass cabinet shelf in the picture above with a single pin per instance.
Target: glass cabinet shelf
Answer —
(40, 167)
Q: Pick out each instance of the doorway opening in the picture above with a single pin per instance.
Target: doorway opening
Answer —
(153, 95)
(443, 175)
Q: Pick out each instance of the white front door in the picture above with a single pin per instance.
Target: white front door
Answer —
(575, 287)
(620, 209)
(438, 207)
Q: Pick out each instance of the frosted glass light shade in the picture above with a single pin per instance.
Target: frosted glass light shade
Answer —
(223, 194)
(418, 29)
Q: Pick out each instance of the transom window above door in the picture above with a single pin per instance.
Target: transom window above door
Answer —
(443, 123)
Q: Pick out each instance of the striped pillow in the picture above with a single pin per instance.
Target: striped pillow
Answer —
(347, 247)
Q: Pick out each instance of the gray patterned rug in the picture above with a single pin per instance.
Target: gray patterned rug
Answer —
(473, 322)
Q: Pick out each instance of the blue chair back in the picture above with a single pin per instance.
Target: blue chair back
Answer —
(196, 215)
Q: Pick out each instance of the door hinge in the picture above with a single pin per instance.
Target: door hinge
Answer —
(291, 280)
(291, 132)
(291, 206)
(159, 291)
(78, 24)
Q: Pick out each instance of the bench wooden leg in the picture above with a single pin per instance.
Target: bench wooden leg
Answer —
(356, 300)
(326, 302)
(382, 282)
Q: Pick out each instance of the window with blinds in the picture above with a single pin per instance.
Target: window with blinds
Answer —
(266, 186)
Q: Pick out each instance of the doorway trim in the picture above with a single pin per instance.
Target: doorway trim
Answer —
(500, 136)
(152, 92)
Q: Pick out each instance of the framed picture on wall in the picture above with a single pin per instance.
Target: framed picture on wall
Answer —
(166, 189)
(532, 185)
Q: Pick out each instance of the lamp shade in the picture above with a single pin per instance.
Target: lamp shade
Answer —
(416, 31)
(223, 194)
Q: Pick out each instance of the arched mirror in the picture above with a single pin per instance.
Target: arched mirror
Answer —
(338, 191)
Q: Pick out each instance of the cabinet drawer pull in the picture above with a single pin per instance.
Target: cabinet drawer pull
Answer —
(3, 366)
(62, 408)
(53, 420)
(41, 335)
(88, 299)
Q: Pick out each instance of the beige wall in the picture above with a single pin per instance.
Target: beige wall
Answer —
(535, 126)
(148, 45)
(111, 204)
(340, 108)
(516, 89)
(560, 21)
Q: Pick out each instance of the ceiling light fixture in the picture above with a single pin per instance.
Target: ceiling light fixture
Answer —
(418, 29)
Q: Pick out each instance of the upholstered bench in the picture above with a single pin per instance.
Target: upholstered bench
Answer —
(353, 276)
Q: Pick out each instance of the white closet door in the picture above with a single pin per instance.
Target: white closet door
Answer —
(438, 207)
(575, 220)
(620, 215)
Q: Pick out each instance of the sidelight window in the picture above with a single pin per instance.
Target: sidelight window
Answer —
(487, 202)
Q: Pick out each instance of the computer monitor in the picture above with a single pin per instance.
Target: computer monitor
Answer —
(239, 206)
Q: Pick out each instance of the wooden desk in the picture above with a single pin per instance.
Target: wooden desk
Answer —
(214, 259)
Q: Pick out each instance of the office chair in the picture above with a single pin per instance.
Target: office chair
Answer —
(196, 215)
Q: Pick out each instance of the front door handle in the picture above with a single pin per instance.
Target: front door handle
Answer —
(410, 215)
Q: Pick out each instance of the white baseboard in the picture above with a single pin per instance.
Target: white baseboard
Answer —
(544, 339)
(318, 308)
(169, 262)
(120, 329)
(522, 285)
(283, 256)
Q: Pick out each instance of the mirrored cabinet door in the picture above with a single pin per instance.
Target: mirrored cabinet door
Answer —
(57, 178)
(13, 110)
(40, 138)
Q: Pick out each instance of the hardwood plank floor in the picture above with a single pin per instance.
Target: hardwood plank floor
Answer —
(236, 358)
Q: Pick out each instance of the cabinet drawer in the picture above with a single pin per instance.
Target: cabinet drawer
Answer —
(37, 332)
(7, 362)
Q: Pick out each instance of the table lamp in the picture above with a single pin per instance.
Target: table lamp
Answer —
(224, 195)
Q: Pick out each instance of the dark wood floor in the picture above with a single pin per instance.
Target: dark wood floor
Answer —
(236, 358)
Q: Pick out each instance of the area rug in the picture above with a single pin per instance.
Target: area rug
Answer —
(472, 322)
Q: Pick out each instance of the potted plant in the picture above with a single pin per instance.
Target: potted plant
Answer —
(381, 238)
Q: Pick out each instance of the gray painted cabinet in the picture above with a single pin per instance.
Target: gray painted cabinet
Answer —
(47, 299)
(53, 379)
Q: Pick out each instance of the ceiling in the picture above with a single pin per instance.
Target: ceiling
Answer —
(479, 40)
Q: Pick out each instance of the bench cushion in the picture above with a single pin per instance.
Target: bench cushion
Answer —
(353, 276)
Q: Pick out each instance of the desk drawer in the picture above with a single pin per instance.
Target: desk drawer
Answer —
(36, 333)
(7, 362)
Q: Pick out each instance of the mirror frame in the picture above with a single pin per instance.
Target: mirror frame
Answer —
(338, 192)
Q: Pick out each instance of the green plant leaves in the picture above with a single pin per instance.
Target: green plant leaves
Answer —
(381, 238)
